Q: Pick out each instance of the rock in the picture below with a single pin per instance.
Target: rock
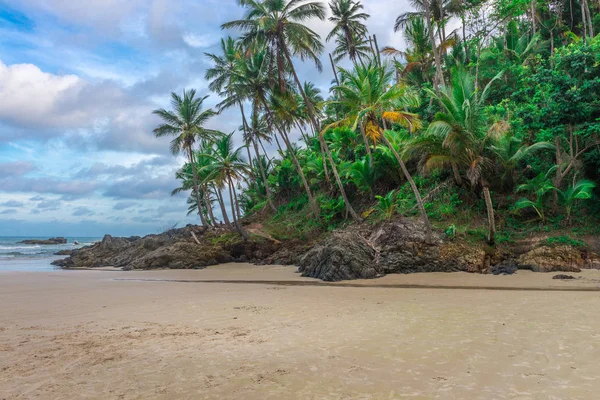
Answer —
(366, 252)
(552, 259)
(175, 249)
(63, 253)
(75, 242)
(342, 256)
(562, 276)
(505, 267)
(57, 240)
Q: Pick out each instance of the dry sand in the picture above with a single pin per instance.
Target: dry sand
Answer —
(120, 335)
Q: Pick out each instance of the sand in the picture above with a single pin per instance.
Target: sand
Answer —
(173, 335)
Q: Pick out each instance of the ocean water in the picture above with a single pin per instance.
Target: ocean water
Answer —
(15, 256)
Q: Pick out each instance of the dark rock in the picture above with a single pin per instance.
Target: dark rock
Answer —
(57, 240)
(63, 253)
(562, 276)
(367, 252)
(341, 256)
(506, 267)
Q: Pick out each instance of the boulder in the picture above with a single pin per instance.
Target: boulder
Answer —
(552, 259)
(367, 252)
(342, 256)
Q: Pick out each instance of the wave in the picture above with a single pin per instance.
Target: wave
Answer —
(2, 247)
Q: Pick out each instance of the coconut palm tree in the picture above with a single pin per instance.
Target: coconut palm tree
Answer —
(277, 25)
(461, 136)
(186, 123)
(222, 75)
(252, 83)
(349, 29)
(367, 97)
(227, 167)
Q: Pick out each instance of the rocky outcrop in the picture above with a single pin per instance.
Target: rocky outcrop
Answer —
(367, 252)
(558, 259)
(57, 240)
(185, 248)
(360, 251)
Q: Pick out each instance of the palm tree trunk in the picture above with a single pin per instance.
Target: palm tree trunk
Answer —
(457, 178)
(311, 199)
(222, 205)
(532, 7)
(413, 186)
(490, 213)
(439, 77)
(263, 175)
(309, 106)
(236, 222)
(349, 207)
(237, 204)
(196, 191)
(366, 140)
(209, 207)
(325, 170)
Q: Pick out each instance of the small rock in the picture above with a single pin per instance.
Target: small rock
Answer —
(563, 276)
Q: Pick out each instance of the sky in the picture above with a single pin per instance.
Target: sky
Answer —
(78, 83)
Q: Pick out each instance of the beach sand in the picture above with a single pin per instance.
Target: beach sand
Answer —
(167, 335)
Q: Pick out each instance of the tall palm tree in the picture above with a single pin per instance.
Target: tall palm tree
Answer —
(433, 11)
(227, 166)
(186, 123)
(367, 97)
(222, 75)
(252, 84)
(349, 29)
(278, 25)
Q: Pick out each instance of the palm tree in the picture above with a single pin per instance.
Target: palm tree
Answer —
(510, 151)
(461, 136)
(252, 84)
(349, 29)
(186, 123)
(227, 166)
(432, 11)
(222, 75)
(278, 26)
(367, 99)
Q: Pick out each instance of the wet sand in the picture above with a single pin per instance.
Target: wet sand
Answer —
(173, 335)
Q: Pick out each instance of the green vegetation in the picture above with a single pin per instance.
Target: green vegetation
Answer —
(491, 131)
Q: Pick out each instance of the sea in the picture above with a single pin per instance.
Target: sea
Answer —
(15, 256)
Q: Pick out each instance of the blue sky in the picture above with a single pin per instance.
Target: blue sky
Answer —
(78, 82)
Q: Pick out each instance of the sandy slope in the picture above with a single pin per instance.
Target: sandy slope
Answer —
(84, 334)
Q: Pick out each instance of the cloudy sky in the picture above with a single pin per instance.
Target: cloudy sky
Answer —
(78, 82)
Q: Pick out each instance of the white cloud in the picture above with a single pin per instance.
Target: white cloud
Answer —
(30, 96)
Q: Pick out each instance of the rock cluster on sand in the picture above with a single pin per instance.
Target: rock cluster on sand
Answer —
(361, 251)
(57, 240)
(175, 249)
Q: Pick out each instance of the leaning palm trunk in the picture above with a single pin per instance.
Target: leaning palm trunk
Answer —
(236, 222)
(413, 186)
(208, 203)
(222, 205)
(196, 191)
(237, 205)
(263, 175)
(309, 105)
(490, 213)
(311, 199)
(439, 77)
(339, 181)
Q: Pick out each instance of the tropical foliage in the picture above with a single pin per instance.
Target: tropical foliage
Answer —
(494, 126)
